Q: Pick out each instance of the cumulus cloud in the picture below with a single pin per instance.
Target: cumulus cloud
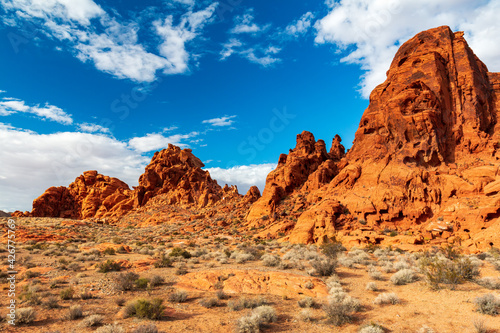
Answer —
(243, 176)
(56, 160)
(93, 128)
(301, 26)
(10, 106)
(111, 45)
(156, 141)
(173, 47)
(220, 122)
(244, 24)
(369, 32)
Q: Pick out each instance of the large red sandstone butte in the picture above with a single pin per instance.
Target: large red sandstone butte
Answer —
(424, 161)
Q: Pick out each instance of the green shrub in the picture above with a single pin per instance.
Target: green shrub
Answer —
(332, 249)
(439, 271)
(67, 293)
(143, 308)
(141, 283)
(179, 252)
(109, 251)
(109, 266)
(163, 262)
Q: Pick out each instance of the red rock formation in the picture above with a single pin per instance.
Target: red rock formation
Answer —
(81, 199)
(293, 171)
(426, 149)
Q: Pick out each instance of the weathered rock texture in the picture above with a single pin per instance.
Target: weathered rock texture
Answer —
(426, 151)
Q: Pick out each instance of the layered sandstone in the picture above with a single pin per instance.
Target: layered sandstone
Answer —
(426, 150)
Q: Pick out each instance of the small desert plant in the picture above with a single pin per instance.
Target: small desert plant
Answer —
(404, 276)
(445, 271)
(323, 267)
(111, 328)
(146, 328)
(209, 302)
(246, 303)
(142, 308)
(52, 303)
(109, 251)
(375, 274)
(306, 315)
(220, 294)
(109, 266)
(179, 252)
(67, 293)
(332, 249)
(156, 280)
(252, 322)
(487, 304)
(92, 320)
(338, 313)
(479, 326)
(141, 283)
(425, 329)
(163, 262)
(86, 295)
(31, 296)
(489, 282)
(307, 302)
(387, 298)
(178, 296)
(75, 312)
(181, 270)
(25, 315)
(126, 281)
(270, 260)
(371, 328)
(372, 286)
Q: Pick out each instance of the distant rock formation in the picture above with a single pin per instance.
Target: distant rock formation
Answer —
(4, 214)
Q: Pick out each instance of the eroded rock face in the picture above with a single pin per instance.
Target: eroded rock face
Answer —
(81, 199)
(426, 149)
(295, 169)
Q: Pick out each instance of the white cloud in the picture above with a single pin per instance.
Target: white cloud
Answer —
(170, 128)
(2, 91)
(173, 47)
(230, 47)
(112, 46)
(220, 122)
(243, 176)
(93, 128)
(301, 26)
(56, 160)
(370, 32)
(263, 60)
(156, 141)
(10, 106)
(244, 24)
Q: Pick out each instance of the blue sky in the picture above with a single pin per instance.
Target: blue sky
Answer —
(89, 84)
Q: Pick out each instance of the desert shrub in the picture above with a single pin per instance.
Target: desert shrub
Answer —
(163, 262)
(253, 322)
(425, 329)
(246, 303)
(332, 249)
(31, 274)
(126, 281)
(86, 295)
(109, 251)
(404, 276)
(387, 298)
(142, 308)
(242, 257)
(307, 302)
(156, 280)
(67, 293)
(270, 260)
(181, 270)
(479, 326)
(372, 286)
(220, 294)
(439, 271)
(31, 296)
(25, 315)
(346, 261)
(109, 266)
(141, 283)
(179, 252)
(309, 285)
(487, 304)
(75, 312)
(110, 328)
(374, 273)
(178, 296)
(371, 328)
(323, 267)
(209, 302)
(489, 282)
(146, 328)
(306, 315)
(52, 303)
(92, 320)
(338, 313)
